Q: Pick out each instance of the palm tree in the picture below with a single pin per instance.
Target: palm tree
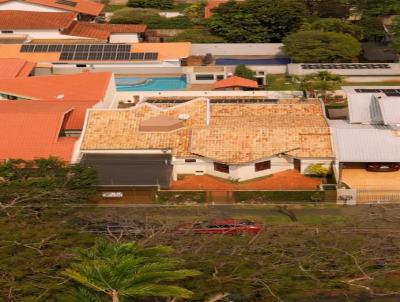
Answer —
(305, 84)
(327, 82)
(118, 271)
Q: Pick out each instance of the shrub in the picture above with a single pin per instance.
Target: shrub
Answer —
(196, 36)
(159, 22)
(161, 4)
(133, 15)
(317, 170)
(276, 196)
(244, 72)
(169, 197)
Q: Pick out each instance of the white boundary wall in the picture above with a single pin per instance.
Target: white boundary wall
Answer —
(238, 49)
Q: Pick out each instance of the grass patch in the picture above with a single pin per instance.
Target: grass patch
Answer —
(280, 82)
(113, 7)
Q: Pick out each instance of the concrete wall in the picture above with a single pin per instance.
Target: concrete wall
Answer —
(238, 49)
(19, 5)
(124, 38)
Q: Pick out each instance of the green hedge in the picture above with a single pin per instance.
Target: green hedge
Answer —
(271, 196)
(172, 197)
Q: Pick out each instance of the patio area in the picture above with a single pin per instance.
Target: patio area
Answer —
(286, 180)
(359, 178)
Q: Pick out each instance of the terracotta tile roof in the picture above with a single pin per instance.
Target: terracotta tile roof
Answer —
(237, 133)
(235, 81)
(41, 137)
(86, 85)
(82, 6)
(102, 31)
(14, 19)
(15, 68)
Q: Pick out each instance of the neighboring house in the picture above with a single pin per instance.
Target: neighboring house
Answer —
(113, 33)
(43, 116)
(86, 9)
(135, 58)
(37, 27)
(86, 86)
(235, 83)
(371, 135)
(15, 68)
(149, 145)
(32, 129)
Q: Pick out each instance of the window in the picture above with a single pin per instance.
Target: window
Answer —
(204, 77)
(7, 32)
(261, 166)
(220, 77)
(190, 160)
(221, 168)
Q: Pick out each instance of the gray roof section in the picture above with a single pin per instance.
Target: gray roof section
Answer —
(364, 108)
(390, 110)
(365, 143)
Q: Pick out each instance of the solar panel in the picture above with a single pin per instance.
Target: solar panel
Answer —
(123, 56)
(388, 92)
(80, 56)
(150, 56)
(27, 47)
(66, 2)
(82, 47)
(124, 47)
(55, 48)
(137, 56)
(41, 48)
(68, 48)
(108, 56)
(66, 56)
(110, 47)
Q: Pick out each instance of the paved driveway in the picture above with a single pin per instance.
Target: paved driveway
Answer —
(359, 178)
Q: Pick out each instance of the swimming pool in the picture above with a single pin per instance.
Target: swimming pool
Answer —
(150, 84)
(232, 61)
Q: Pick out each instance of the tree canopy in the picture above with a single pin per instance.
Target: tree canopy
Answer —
(244, 72)
(328, 9)
(319, 46)
(196, 35)
(377, 7)
(335, 25)
(161, 4)
(395, 32)
(257, 20)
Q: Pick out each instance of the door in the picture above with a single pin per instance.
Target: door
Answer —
(297, 164)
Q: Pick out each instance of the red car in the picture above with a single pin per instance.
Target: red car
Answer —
(221, 226)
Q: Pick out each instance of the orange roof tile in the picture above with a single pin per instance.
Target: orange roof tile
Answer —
(235, 81)
(41, 138)
(86, 85)
(14, 19)
(102, 31)
(15, 68)
(81, 6)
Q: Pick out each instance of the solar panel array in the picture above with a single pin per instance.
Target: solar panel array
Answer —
(92, 52)
(345, 66)
(388, 92)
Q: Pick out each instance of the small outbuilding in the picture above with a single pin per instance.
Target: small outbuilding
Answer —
(235, 83)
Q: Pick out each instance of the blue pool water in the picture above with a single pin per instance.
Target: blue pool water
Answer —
(228, 61)
(150, 84)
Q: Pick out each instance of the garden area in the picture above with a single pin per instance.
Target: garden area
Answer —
(56, 245)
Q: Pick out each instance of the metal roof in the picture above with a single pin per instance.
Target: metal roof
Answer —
(365, 143)
(390, 110)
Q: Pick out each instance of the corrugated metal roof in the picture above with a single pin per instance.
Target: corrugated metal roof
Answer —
(363, 108)
(359, 143)
(390, 110)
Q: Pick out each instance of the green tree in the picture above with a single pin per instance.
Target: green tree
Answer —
(377, 7)
(133, 15)
(335, 25)
(318, 84)
(196, 35)
(244, 72)
(372, 28)
(161, 4)
(395, 35)
(195, 12)
(257, 20)
(125, 270)
(318, 46)
(328, 9)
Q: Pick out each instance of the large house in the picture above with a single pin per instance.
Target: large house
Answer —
(85, 9)
(150, 144)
